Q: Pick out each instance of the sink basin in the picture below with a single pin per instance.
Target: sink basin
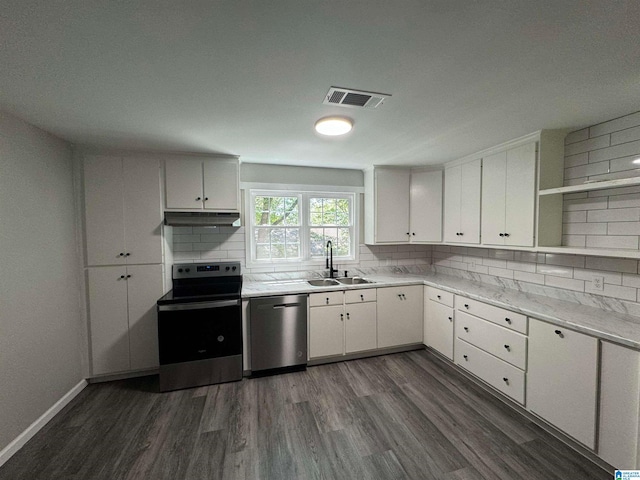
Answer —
(354, 280)
(324, 282)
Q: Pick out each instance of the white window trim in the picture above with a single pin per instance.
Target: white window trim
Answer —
(305, 191)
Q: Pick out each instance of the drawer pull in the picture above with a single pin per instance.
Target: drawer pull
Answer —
(465, 357)
(559, 333)
(450, 319)
(508, 320)
(508, 348)
(362, 297)
(466, 329)
(466, 305)
(347, 315)
(505, 380)
(327, 300)
(439, 297)
(342, 317)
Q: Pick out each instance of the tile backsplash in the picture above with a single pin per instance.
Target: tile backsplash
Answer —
(194, 244)
(603, 218)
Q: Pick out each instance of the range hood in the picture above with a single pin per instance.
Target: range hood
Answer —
(202, 219)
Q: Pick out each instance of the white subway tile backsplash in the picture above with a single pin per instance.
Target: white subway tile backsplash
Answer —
(522, 266)
(625, 164)
(529, 257)
(528, 277)
(565, 260)
(566, 283)
(617, 151)
(576, 160)
(614, 215)
(625, 293)
(613, 278)
(584, 229)
(586, 170)
(577, 136)
(183, 247)
(575, 217)
(182, 230)
(555, 270)
(574, 240)
(624, 228)
(501, 272)
(624, 201)
(496, 263)
(614, 191)
(624, 265)
(631, 280)
(584, 204)
(615, 125)
(612, 241)
(592, 143)
(186, 238)
(624, 136)
(501, 254)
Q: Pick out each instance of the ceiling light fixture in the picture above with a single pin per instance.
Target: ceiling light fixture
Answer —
(334, 126)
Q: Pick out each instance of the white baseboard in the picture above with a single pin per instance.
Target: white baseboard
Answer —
(7, 452)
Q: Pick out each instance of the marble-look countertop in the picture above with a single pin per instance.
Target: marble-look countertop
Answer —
(607, 325)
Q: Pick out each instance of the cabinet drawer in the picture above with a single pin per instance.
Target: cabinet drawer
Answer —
(440, 296)
(326, 298)
(500, 316)
(359, 296)
(506, 344)
(500, 375)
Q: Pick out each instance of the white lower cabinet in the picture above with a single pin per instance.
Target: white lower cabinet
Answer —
(123, 318)
(400, 315)
(619, 406)
(562, 379)
(341, 323)
(439, 321)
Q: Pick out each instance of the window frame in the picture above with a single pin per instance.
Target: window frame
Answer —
(304, 196)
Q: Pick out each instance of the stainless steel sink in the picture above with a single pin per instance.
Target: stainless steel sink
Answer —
(324, 282)
(354, 280)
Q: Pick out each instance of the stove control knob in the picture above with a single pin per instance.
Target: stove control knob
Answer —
(187, 270)
(227, 269)
(233, 268)
(179, 270)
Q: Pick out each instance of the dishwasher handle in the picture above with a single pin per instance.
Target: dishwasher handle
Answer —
(286, 305)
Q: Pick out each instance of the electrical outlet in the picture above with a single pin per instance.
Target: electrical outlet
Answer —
(598, 282)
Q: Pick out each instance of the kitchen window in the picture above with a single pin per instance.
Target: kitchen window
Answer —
(294, 226)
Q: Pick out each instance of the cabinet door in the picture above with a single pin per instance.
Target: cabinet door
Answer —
(392, 205)
(183, 183)
(520, 191)
(619, 406)
(360, 327)
(438, 328)
(143, 210)
(400, 315)
(470, 182)
(221, 185)
(562, 378)
(494, 180)
(108, 319)
(452, 197)
(426, 206)
(326, 331)
(104, 210)
(144, 289)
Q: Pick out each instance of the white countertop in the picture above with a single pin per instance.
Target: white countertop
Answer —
(617, 327)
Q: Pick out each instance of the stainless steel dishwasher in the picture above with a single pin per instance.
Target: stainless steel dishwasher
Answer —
(278, 331)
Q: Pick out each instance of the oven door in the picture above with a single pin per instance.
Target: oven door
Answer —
(190, 332)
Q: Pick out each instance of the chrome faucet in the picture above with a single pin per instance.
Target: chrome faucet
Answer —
(330, 259)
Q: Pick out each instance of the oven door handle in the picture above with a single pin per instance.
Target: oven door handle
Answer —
(198, 305)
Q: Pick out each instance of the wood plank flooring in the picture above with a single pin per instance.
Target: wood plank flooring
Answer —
(402, 416)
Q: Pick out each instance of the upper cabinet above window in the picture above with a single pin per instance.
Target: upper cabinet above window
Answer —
(194, 183)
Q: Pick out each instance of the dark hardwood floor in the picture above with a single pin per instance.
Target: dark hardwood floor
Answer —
(403, 416)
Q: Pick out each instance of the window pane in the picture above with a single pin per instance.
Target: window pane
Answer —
(276, 210)
(343, 248)
(329, 212)
(316, 240)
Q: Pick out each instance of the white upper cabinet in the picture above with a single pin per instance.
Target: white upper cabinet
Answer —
(203, 184)
(462, 202)
(425, 219)
(123, 210)
(402, 206)
(508, 197)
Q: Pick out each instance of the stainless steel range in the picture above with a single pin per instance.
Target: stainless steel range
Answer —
(200, 326)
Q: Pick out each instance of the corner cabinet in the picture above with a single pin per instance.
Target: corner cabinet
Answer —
(439, 320)
(509, 197)
(196, 183)
(462, 185)
(123, 210)
(402, 206)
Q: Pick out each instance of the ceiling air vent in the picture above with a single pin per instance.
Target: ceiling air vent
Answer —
(354, 98)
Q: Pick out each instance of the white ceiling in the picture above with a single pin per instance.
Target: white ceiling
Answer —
(248, 77)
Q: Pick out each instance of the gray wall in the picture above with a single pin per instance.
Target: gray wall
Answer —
(40, 319)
